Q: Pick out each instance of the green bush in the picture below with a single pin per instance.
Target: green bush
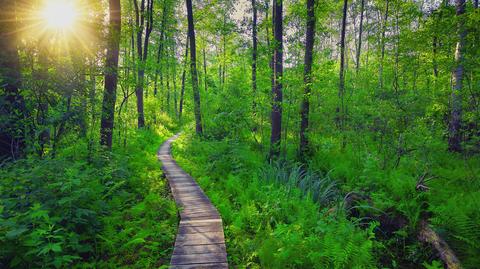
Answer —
(110, 211)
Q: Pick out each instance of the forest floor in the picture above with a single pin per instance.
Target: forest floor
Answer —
(276, 217)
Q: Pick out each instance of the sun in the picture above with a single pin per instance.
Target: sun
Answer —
(59, 15)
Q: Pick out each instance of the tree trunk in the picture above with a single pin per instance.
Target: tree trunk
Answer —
(277, 97)
(341, 84)
(205, 69)
(307, 79)
(13, 110)
(382, 49)
(160, 47)
(175, 98)
(142, 51)
(254, 56)
(455, 134)
(111, 74)
(168, 84)
(182, 91)
(434, 59)
(193, 69)
(360, 32)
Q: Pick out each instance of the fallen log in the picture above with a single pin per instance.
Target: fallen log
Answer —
(427, 235)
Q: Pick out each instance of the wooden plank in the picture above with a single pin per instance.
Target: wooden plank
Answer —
(200, 198)
(199, 249)
(199, 216)
(179, 259)
(195, 222)
(189, 189)
(199, 239)
(201, 266)
(189, 229)
(196, 210)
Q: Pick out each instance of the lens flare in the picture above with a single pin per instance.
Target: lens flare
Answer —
(59, 15)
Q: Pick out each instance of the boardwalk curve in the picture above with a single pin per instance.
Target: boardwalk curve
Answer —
(200, 241)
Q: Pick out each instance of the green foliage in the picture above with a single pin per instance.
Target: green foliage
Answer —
(268, 222)
(320, 189)
(111, 211)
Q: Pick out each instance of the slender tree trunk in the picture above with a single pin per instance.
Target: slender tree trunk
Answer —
(142, 15)
(360, 32)
(455, 133)
(205, 69)
(341, 84)
(307, 79)
(277, 95)
(382, 53)
(13, 110)
(168, 84)
(111, 74)
(182, 91)
(270, 56)
(160, 47)
(434, 60)
(254, 56)
(224, 49)
(193, 69)
(175, 97)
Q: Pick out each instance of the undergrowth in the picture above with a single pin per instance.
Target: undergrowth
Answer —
(282, 215)
(88, 209)
(271, 215)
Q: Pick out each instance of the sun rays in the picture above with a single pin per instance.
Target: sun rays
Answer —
(59, 15)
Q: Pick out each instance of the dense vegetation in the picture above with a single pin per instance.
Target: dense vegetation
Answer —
(329, 134)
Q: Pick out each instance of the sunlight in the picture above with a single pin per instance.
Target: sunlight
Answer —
(59, 15)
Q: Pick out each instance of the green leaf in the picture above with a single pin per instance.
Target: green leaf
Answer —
(135, 241)
(16, 233)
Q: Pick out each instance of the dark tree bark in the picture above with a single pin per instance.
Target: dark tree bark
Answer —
(434, 59)
(182, 91)
(193, 69)
(307, 79)
(175, 95)
(360, 32)
(160, 47)
(254, 56)
(455, 133)
(224, 33)
(277, 95)
(168, 83)
(205, 69)
(13, 110)
(142, 15)
(341, 84)
(111, 74)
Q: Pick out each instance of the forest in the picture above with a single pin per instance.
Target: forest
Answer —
(324, 133)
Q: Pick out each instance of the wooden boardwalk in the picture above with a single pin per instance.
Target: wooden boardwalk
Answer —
(200, 241)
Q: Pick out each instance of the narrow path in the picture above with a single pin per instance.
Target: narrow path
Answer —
(200, 242)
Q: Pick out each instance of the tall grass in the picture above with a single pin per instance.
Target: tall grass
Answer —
(320, 188)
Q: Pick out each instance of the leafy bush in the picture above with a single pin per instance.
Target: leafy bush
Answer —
(67, 211)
